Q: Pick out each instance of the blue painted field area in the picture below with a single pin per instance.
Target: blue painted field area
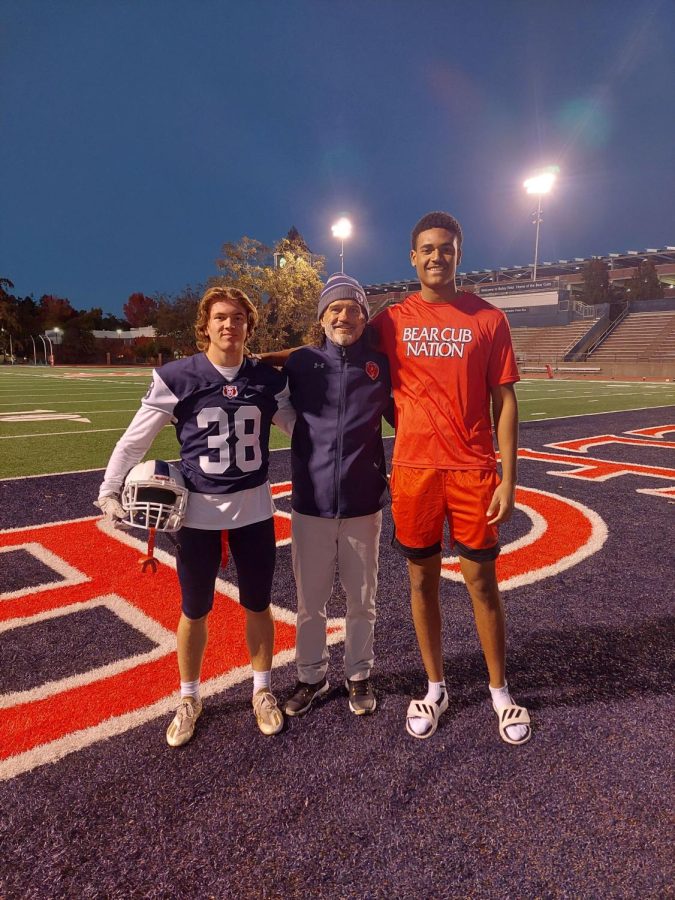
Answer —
(96, 805)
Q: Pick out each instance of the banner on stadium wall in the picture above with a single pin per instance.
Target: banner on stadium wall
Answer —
(521, 287)
(523, 301)
(528, 294)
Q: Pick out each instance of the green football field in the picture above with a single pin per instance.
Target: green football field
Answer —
(69, 419)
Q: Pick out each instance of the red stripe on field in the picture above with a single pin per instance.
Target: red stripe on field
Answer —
(113, 567)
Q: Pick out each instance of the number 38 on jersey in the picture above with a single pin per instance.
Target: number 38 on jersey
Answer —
(236, 442)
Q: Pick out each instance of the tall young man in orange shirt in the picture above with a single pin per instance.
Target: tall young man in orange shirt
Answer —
(451, 357)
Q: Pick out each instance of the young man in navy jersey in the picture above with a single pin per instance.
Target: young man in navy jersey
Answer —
(222, 404)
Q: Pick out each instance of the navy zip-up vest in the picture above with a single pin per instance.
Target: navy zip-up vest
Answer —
(337, 457)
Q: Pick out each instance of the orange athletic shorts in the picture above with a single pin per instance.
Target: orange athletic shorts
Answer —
(423, 499)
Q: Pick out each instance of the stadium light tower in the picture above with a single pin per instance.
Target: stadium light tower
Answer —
(57, 337)
(342, 230)
(11, 352)
(540, 184)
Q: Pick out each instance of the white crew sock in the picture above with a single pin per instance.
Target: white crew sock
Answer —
(261, 680)
(501, 698)
(189, 689)
(435, 693)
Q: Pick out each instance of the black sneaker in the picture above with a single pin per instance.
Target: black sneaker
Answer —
(303, 695)
(361, 697)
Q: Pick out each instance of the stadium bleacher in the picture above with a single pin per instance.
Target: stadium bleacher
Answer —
(548, 345)
(640, 336)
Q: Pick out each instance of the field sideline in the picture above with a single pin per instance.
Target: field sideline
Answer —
(69, 419)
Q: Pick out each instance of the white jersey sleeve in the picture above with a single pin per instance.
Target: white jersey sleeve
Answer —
(285, 416)
(159, 397)
(132, 446)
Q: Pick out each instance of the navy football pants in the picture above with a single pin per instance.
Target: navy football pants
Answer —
(253, 549)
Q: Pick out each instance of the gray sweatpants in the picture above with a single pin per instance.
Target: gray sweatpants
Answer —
(318, 545)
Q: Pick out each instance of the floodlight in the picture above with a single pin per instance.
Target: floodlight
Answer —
(540, 184)
(342, 230)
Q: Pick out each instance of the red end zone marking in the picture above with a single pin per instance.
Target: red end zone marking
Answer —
(592, 469)
(563, 533)
(581, 445)
(657, 431)
(112, 568)
(282, 520)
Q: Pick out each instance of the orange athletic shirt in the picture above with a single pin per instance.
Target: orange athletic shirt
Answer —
(444, 358)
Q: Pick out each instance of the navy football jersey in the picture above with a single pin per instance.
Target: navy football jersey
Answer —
(223, 426)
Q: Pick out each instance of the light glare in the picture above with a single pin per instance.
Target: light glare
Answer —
(342, 229)
(540, 184)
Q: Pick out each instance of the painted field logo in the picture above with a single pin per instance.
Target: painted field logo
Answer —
(562, 533)
(81, 578)
(73, 576)
(42, 415)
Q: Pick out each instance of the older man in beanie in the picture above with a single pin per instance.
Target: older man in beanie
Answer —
(340, 390)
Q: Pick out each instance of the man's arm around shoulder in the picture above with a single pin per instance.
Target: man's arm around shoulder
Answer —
(276, 357)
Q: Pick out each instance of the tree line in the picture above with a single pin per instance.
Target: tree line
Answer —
(597, 287)
(284, 281)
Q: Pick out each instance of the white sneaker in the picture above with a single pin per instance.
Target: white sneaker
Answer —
(269, 717)
(182, 727)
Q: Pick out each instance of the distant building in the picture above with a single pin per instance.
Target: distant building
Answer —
(127, 336)
(552, 299)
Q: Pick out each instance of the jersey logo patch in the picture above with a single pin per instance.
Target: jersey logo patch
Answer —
(372, 370)
(230, 391)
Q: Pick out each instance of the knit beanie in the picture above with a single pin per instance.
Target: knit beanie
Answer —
(342, 287)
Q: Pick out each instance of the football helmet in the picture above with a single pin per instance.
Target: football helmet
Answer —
(154, 496)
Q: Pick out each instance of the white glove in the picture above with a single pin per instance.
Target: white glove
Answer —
(111, 508)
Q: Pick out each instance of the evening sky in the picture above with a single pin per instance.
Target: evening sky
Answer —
(138, 137)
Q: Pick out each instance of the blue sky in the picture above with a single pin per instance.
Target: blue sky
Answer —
(138, 137)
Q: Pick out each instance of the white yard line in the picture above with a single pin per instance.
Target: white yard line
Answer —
(74, 370)
(604, 412)
(91, 398)
(102, 468)
(10, 437)
(81, 382)
(73, 412)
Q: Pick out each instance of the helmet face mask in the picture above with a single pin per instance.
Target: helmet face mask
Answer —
(154, 496)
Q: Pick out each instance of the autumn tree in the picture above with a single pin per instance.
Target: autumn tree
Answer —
(78, 344)
(110, 322)
(175, 320)
(140, 310)
(595, 277)
(286, 295)
(55, 310)
(8, 305)
(645, 283)
(86, 320)
(29, 317)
